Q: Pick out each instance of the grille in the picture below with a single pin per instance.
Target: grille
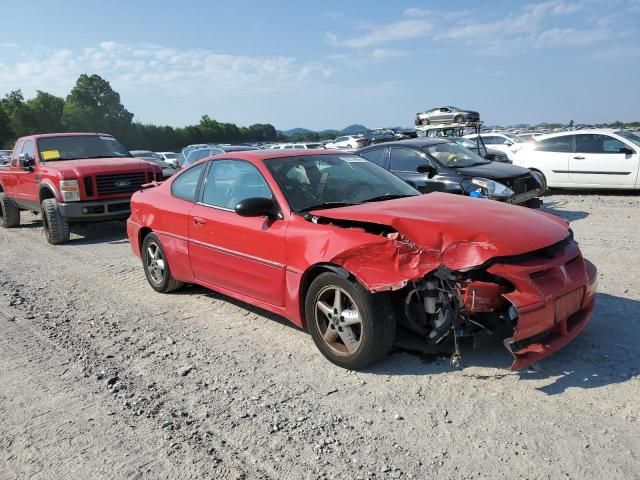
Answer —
(522, 184)
(88, 186)
(119, 183)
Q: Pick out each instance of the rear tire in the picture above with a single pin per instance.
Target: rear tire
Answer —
(56, 227)
(156, 266)
(357, 330)
(9, 212)
(458, 119)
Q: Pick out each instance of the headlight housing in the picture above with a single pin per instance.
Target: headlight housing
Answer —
(489, 188)
(70, 190)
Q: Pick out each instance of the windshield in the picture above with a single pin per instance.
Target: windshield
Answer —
(170, 155)
(515, 139)
(453, 155)
(77, 147)
(632, 137)
(325, 181)
(465, 142)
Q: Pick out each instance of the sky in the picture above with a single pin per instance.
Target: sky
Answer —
(333, 63)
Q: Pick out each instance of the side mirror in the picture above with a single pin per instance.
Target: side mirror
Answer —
(508, 143)
(258, 207)
(427, 168)
(25, 161)
(626, 151)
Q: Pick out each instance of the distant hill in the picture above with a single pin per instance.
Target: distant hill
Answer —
(300, 133)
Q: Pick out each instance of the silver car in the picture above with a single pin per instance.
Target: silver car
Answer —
(447, 114)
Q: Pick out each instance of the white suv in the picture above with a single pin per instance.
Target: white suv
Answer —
(347, 141)
(595, 158)
(505, 142)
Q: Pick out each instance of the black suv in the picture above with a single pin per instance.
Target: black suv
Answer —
(441, 165)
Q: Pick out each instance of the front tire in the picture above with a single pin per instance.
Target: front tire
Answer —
(351, 326)
(9, 212)
(156, 266)
(424, 121)
(56, 227)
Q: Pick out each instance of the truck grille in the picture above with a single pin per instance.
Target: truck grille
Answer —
(119, 183)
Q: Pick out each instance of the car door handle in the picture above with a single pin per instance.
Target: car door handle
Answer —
(578, 158)
(199, 221)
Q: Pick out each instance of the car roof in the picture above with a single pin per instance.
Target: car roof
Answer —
(599, 131)
(259, 155)
(414, 142)
(69, 134)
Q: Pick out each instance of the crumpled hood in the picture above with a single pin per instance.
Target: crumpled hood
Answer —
(461, 232)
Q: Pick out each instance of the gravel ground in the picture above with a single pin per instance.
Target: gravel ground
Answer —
(100, 377)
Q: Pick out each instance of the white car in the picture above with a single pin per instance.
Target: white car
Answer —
(594, 158)
(505, 142)
(169, 157)
(346, 141)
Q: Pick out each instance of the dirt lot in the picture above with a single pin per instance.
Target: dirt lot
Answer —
(100, 377)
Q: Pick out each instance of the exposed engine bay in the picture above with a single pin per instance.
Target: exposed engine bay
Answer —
(449, 305)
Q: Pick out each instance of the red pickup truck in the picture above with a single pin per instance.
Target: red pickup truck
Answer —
(71, 178)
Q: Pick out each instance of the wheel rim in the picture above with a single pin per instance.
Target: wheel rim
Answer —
(338, 320)
(155, 263)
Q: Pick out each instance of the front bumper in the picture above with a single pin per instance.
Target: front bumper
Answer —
(96, 211)
(554, 299)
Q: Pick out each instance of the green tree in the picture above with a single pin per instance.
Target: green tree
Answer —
(47, 110)
(7, 134)
(94, 106)
(21, 118)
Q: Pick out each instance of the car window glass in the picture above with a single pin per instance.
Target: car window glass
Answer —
(231, 181)
(375, 156)
(561, 144)
(29, 149)
(341, 139)
(406, 160)
(597, 144)
(185, 186)
(16, 152)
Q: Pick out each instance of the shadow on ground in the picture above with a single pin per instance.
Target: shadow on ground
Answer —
(557, 208)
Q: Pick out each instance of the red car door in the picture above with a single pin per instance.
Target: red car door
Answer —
(245, 255)
(27, 187)
(11, 177)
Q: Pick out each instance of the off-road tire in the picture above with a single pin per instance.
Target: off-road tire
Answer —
(169, 283)
(378, 321)
(56, 227)
(9, 212)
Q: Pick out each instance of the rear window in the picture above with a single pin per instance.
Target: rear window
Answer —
(561, 144)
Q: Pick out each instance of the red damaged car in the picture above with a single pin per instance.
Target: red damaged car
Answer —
(348, 251)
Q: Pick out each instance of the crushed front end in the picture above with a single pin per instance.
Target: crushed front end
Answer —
(544, 298)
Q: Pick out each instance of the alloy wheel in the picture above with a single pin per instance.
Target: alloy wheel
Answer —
(155, 263)
(338, 320)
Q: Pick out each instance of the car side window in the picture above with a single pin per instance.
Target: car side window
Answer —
(406, 160)
(561, 144)
(593, 143)
(231, 181)
(185, 186)
(29, 149)
(16, 152)
(375, 155)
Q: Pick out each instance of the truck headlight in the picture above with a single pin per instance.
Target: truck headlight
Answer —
(70, 190)
(490, 188)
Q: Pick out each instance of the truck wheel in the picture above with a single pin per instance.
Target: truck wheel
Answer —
(351, 326)
(9, 212)
(156, 266)
(56, 227)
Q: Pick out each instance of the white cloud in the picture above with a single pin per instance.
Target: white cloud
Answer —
(198, 80)
(533, 26)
